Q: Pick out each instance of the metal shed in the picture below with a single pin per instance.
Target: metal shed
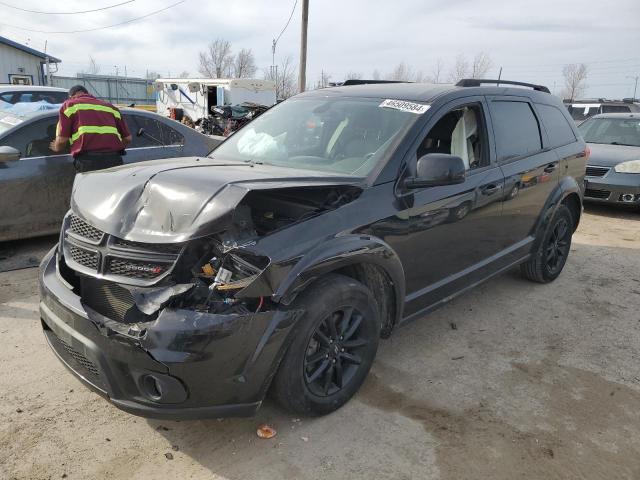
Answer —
(22, 65)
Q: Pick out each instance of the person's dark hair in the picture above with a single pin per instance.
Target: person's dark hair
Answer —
(76, 89)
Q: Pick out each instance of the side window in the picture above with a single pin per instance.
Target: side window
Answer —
(169, 135)
(558, 129)
(150, 131)
(516, 129)
(460, 132)
(33, 140)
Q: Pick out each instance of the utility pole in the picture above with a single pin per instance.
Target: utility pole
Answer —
(635, 88)
(47, 68)
(302, 77)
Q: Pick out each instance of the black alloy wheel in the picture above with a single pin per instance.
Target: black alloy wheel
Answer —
(553, 246)
(332, 346)
(334, 352)
(557, 247)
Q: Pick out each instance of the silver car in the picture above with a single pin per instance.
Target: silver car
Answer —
(35, 183)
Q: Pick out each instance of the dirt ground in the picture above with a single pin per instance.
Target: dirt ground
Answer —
(512, 380)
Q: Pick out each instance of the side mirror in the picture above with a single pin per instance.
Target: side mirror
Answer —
(9, 154)
(437, 169)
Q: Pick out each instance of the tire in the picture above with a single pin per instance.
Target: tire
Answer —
(308, 379)
(552, 251)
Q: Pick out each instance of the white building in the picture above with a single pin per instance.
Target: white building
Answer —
(22, 65)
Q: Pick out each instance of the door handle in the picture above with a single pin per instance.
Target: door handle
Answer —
(550, 168)
(490, 189)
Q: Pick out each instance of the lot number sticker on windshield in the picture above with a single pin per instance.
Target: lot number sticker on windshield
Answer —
(11, 120)
(405, 106)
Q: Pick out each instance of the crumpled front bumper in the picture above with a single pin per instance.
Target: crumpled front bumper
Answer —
(184, 364)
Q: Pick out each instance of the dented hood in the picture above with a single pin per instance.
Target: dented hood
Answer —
(178, 199)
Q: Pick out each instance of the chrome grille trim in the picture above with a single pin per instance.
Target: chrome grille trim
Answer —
(114, 259)
(82, 229)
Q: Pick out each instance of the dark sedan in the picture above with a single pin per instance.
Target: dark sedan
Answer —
(613, 172)
(36, 182)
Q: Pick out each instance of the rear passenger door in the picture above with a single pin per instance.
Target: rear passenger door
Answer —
(529, 165)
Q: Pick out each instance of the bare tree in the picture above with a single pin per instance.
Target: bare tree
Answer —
(481, 65)
(402, 72)
(353, 76)
(437, 72)
(244, 64)
(460, 69)
(575, 76)
(152, 75)
(376, 75)
(216, 60)
(184, 74)
(284, 76)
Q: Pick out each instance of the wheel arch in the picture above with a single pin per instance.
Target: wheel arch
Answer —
(567, 193)
(367, 259)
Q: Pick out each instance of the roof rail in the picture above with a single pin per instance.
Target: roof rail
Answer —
(357, 81)
(476, 82)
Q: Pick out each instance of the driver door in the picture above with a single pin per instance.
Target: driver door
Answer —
(447, 235)
(37, 187)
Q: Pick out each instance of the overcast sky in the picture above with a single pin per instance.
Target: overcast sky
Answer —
(531, 40)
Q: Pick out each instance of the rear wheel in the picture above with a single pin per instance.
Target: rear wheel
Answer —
(549, 258)
(333, 349)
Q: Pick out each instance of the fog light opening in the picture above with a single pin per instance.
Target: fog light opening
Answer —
(628, 197)
(152, 387)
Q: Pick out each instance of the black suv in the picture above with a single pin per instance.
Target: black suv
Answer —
(189, 287)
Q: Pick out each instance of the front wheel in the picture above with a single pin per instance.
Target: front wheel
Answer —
(549, 258)
(333, 348)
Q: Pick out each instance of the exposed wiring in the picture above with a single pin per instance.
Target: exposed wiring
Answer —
(98, 28)
(66, 13)
(287, 24)
(260, 304)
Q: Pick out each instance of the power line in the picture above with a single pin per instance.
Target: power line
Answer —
(65, 13)
(287, 24)
(98, 28)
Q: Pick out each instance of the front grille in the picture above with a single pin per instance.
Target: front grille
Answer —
(593, 193)
(111, 300)
(84, 230)
(172, 248)
(136, 269)
(86, 258)
(596, 171)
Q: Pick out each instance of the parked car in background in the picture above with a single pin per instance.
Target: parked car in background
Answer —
(582, 109)
(613, 171)
(36, 182)
(13, 94)
(189, 287)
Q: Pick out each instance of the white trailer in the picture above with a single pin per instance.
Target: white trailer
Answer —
(196, 96)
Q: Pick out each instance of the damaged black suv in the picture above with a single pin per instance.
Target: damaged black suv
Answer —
(188, 288)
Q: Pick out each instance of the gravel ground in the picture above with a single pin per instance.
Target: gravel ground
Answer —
(513, 380)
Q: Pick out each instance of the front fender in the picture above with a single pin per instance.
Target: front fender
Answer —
(338, 253)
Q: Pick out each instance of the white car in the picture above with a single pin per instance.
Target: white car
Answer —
(10, 95)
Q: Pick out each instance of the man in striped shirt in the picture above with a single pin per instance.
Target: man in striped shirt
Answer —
(95, 129)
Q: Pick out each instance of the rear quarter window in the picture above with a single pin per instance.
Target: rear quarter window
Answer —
(516, 129)
(559, 131)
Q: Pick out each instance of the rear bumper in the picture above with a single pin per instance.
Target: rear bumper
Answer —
(183, 365)
(612, 189)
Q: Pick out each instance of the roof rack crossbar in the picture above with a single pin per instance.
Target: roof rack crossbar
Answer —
(476, 82)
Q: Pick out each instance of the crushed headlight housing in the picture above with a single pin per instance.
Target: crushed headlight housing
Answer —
(632, 166)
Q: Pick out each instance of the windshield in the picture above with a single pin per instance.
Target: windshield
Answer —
(8, 121)
(339, 135)
(612, 131)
